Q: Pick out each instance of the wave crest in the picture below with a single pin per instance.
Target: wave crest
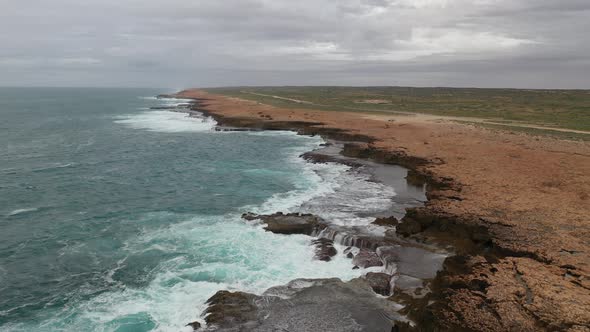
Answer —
(167, 122)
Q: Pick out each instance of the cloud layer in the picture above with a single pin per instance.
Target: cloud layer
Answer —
(180, 43)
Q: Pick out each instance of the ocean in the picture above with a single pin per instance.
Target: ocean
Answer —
(118, 217)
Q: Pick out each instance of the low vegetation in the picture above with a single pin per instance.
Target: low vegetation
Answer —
(568, 109)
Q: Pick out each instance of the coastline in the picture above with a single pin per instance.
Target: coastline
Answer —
(506, 275)
(391, 260)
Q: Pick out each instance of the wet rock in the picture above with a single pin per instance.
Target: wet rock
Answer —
(366, 258)
(466, 234)
(327, 305)
(324, 249)
(408, 227)
(305, 305)
(226, 129)
(335, 133)
(349, 252)
(379, 282)
(250, 216)
(292, 223)
(360, 150)
(409, 285)
(321, 158)
(353, 237)
(412, 261)
(389, 221)
(195, 325)
(230, 309)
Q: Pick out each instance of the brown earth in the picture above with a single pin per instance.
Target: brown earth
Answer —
(516, 208)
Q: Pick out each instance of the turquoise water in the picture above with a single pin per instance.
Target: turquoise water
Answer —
(115, 217)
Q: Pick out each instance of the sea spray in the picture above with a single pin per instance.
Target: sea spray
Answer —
(166, 121)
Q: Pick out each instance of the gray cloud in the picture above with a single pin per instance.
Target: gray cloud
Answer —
(179, 43)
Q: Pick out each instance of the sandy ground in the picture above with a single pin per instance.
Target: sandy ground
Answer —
(531, 193)
(429, 117)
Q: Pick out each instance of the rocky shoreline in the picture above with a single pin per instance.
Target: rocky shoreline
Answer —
(400, 265)
(489, 284)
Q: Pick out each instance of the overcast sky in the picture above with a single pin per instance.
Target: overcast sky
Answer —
(184, 43)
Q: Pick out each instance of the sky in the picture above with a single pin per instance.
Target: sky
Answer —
(197, 43)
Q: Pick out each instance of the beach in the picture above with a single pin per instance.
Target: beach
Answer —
(513, 208)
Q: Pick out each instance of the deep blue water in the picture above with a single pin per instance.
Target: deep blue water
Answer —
(115, 217)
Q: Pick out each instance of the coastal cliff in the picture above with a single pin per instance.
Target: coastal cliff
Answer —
(513, 208)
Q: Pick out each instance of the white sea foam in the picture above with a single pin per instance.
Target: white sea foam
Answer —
(21, 211)
(353, 198)
(238, 257)
(167, 122)
(54, 166)
(173, 102)
(333, 191)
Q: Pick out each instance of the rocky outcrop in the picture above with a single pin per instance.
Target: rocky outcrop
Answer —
(386, 221)
(305, 305)
(291, 223)
(322, 158)
(476, 293)
(491, 285)
(227, 309)
(194, 325)
(464, 233)
(324, 249)
(366, 258)
(354, 237)
(379, 282)
(418, 173)
(412, 261)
